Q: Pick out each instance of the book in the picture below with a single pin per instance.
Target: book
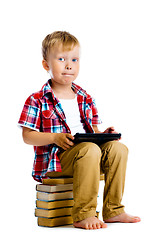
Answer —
(53, 222)
(53, 181)
(54, 196)
(54, 204)
(54, 188)
(53, 212)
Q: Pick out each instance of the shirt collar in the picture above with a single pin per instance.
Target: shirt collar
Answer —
(47, 89)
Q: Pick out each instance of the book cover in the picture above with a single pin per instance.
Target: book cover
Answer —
(53, 181)
(54, 188)
(54, 204)
(53, 213)
(53, 222)
(54, 196)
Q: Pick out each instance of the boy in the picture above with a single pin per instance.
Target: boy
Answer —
(52, 116)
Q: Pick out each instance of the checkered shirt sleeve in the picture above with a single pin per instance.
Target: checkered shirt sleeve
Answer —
(30, 116)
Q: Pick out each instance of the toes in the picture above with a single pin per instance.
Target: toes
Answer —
(90, 226)
(90, 223)
(104, 225)
(86, 226)
(94, 226)
(98, 225)
(133, 219)
(137, 219)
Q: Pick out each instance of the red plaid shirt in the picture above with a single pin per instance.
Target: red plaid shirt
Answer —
(43, 112)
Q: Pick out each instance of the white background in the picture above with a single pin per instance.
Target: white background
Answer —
(120, 61)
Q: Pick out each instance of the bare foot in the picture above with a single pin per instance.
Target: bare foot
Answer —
(90, 223)
(124, 218)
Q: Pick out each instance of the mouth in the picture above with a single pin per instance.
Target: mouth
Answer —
(67, 74)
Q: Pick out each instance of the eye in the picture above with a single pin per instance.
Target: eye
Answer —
(61, 59)
(75, 60)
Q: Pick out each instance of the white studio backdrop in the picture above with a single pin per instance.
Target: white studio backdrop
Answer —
(120, 59)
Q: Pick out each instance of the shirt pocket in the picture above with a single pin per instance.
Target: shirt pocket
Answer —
(49, 114)
(50, 121)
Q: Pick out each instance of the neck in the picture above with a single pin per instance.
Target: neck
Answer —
(61, 88)
(63, 91)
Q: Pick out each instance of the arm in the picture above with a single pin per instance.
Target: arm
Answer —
(35, 138)
(95, 128)
(40, 138)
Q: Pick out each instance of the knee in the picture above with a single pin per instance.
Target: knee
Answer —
(114, 153)
(90, 150)
(118, 149)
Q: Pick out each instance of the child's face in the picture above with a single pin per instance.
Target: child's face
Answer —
(63, 65)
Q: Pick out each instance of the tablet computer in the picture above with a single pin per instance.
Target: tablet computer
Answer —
(98, 138)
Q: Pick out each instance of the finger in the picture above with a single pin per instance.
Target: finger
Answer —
(65, 146)
(70, 136)
(111, 129)
(69, 142)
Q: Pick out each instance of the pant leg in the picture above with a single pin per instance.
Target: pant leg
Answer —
(82, 161)
(113, 164)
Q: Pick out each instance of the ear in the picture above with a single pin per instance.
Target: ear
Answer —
(45, 65)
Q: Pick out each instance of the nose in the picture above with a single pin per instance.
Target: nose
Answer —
(68, 67)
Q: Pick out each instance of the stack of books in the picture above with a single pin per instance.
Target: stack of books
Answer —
(54, 202)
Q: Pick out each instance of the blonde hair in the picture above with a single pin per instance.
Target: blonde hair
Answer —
(67, 40)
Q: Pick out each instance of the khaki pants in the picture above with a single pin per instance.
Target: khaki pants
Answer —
(85, 161)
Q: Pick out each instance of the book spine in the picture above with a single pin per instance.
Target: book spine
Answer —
(61, 221)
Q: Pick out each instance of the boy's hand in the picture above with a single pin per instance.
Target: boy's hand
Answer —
(111, 130)
(63, 140)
